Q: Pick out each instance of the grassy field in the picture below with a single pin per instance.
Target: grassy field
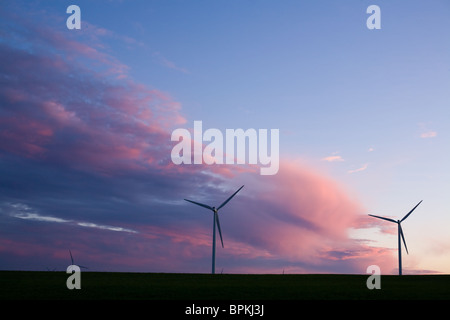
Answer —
(30, 285)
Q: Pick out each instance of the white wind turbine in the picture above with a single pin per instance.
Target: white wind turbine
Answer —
(216, 220)
(400, 234)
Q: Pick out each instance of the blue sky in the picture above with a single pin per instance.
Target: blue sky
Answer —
(365, 108)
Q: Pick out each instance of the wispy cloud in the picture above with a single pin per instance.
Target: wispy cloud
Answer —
(428, 134)
(168, 63)
(333, 158)
(364, 167)
(37, 217)
(105, 227)
(25, 212)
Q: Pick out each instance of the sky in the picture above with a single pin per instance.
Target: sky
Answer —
(86, 118)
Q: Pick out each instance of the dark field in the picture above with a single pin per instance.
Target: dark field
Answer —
(21, 285)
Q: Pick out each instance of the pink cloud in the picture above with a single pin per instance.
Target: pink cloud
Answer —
(299, 218)
(333, 158)
(362, 168)
(383, 226)
(59, 113)
(97, 120)
(84, 120)
(428, 134)
(22, 135)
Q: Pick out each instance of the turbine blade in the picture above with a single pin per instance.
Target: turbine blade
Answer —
(200, 204)
(216, 215)
(226, 201)
(403, 238)
(411, 211)
(71, 258)
(387, 219)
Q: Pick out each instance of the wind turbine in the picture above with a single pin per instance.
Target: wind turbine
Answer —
(400, 234)
(216, 220)
(71, 258)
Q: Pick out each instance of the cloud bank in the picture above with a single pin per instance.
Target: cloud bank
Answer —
(85, 165)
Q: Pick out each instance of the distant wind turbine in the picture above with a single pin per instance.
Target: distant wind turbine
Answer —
(216, 220)
(71, 259)
(400, 234)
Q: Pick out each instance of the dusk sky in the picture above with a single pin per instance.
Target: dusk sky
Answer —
(86, 118)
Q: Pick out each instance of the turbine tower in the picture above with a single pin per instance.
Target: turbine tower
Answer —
(215, 221)
(400, 234)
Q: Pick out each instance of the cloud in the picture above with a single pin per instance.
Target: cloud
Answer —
(367, 222)
(104, 124)
(85, 151)
(428, 134)
(34, 216)
(364, 167)
(23, 211)
(104, 227)
(298, 219)
(167, 63)
(333, 158)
